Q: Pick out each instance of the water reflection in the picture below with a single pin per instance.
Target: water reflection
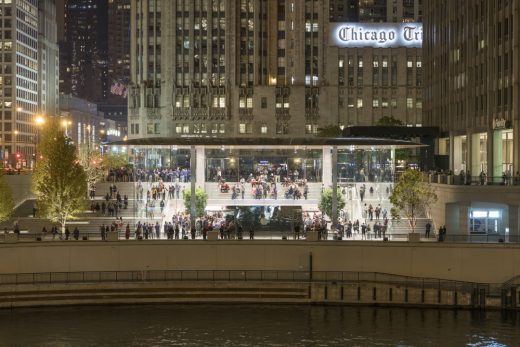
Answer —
(249, 325)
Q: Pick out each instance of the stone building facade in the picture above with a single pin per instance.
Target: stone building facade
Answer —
(472, 76)
(259, 67)
(19, 99)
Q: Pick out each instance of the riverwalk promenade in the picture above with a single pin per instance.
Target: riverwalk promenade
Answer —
(369, 273)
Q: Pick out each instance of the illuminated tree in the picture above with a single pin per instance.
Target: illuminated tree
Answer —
(92, 161)
(412, 197)
(201, 200)
(325, 203)
(59, 180)
(6, 198)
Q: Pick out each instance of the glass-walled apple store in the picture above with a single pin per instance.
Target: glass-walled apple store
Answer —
(279, 164)
(233, 164)
(366, 165)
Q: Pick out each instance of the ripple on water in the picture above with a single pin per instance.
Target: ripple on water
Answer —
(254, 325)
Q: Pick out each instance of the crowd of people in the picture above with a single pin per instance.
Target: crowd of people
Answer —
(272, 173)
(180, 227)
(264, 187)
(314, 222)
(179, 174)
(111, 205)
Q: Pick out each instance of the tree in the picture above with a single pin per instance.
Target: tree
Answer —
(389, 121)
(325, 204)
(330, 131)
(201, 200)
(115, 160)
(59, 180)
(92, 162)
(412, 197)
(6, 199)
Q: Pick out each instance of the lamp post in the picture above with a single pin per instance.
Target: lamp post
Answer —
(65, 123)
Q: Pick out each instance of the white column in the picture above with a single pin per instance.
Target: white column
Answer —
(327, 166)
(201, 166)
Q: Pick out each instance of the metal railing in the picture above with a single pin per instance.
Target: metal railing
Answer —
(262, 236)
(259, 236)
(473, 180)
(481, 238)
(239, 276)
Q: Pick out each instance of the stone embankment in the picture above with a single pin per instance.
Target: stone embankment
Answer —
(468, 276)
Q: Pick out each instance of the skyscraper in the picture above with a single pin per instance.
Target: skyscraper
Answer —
(48, 58)
(383, 11)
(472, 90)
(118, 50)
(84, 50)
(19, 81)
(260, 68)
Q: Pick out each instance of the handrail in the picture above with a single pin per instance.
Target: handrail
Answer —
(237, 275)
(259, 236)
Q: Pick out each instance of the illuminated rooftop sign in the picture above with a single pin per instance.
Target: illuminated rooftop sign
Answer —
(377, 35)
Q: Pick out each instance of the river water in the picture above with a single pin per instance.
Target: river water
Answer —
(255, 325)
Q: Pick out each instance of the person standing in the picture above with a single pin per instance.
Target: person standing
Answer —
(157, 230)
(428, 227)
(127, 231)
(297, 231)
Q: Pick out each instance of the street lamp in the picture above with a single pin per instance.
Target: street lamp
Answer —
(65, 123)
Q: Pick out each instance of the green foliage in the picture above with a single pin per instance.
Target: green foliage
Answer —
(389, 121)
(92, 162)
(325, 204)
(115, 160)
(59, 181)
(201, 200)
(412, 197)
(330, 131)
(6, 198)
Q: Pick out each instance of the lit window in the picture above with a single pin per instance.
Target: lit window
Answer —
(409, 102)
(263, 129)
(375, 103)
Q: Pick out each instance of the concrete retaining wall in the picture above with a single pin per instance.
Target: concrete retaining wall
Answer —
(483, 263)
(20, 186)
(451, 208)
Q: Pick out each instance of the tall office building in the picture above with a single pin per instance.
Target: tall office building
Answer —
(48, 58)
(472, 76)
(18, 80)
(116, 105)
(263, 68)
(84, 50)
(384, 11)
(118, 49)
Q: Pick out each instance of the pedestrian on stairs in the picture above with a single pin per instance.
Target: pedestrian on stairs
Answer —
(428, 227)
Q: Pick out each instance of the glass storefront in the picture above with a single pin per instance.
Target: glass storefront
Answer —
(486, 221)
(364, 166)
(460, 153)
(232, 165)
(161, 157)
(479, 153)
(503, 152)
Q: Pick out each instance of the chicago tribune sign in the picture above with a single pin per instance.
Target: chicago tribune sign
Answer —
(377, 35)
